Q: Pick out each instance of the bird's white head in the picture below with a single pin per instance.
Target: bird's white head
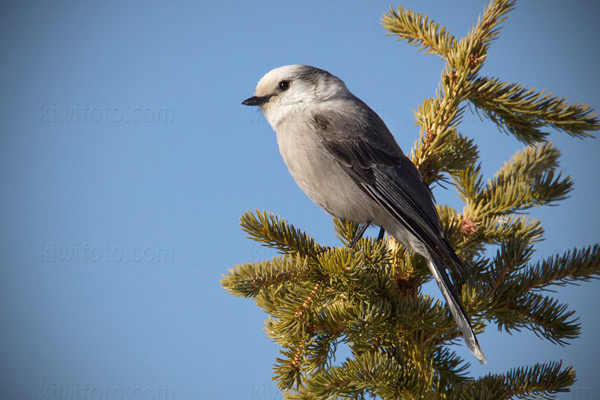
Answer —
(288, 89)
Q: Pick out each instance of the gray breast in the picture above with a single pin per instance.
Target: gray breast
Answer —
(319, 175)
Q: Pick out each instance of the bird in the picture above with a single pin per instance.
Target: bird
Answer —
(343, 156)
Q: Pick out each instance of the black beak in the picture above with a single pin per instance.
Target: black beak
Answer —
(256, 100)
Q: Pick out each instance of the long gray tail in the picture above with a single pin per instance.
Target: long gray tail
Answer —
(456, 308)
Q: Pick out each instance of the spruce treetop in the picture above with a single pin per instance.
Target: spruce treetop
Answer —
(369, 297)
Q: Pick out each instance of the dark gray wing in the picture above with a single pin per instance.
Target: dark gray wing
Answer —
(368, 152)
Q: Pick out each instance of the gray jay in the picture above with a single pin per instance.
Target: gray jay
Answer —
(345, 159)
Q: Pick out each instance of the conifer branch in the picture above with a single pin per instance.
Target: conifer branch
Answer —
(418, 31)
(487, 29)
(529, 162)
(513, 306)
(542, 315)
(522, 112)
(504, 196)
(367, 373)
(288, 370)
(248, 280)
(529, 179)
(275, 232)
(542, 381)
(498, 229)
(569, 268)
(441, 115)
(510, 260)
(345, 230)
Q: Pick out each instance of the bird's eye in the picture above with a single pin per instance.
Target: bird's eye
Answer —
(284, 85)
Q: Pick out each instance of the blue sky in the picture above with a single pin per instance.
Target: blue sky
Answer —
(126, 160)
